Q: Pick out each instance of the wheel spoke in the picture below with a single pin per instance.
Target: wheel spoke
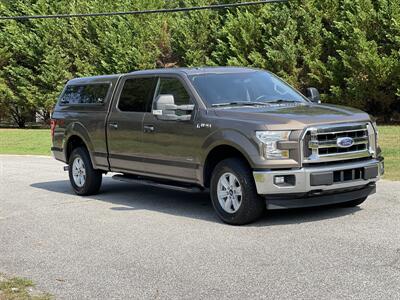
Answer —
(232, 180)
(238, 191)
(235, 203)
(228, 205)
(223, 193)
(225, 182)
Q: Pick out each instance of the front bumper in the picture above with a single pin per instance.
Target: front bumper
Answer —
(324, 198)
(318, 180)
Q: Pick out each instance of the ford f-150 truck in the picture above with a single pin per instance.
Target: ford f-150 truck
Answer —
(245, 135)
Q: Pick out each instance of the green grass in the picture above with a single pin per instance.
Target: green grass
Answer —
(25, 141)
(20, 289)
(37, 142)
(389, 140)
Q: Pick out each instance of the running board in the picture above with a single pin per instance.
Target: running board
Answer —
(149, 182)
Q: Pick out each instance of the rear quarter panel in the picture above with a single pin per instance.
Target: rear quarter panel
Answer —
(86, 121)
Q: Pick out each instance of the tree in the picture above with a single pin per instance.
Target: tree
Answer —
(348, 49)
(364, 69)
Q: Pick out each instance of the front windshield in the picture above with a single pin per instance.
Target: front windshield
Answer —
(257, 87)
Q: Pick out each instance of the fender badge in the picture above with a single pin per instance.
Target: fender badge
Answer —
(203, 125)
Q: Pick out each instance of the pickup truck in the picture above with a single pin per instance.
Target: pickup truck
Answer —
(250, 139)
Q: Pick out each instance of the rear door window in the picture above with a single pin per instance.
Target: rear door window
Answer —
(137, 94)
(85, 94)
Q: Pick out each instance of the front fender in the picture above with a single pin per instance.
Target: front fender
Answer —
(234, 138)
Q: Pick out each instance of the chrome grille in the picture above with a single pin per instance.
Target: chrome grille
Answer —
(323, 143)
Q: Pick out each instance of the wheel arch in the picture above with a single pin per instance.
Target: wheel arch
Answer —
(216, 155)
(77, 136)
(226, 143)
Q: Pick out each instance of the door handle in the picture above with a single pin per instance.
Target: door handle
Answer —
(113, 125)
(148, 128)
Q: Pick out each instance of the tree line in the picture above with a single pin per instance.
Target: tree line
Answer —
(348, 49)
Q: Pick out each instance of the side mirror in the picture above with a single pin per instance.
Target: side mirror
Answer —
(313, 95)
(166, 109)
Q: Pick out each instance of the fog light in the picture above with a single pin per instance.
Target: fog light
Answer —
(279, 180)
(285, 180)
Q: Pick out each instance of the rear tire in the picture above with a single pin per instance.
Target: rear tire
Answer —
(233, 193)
(84, 179)
(354, 203)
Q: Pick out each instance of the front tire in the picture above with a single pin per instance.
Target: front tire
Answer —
(233, 193)
(84, 179)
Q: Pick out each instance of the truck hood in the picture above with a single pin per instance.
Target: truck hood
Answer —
(294, 116)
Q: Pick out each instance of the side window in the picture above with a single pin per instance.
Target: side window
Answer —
(172, 86)
(136, 94)
(85, 94)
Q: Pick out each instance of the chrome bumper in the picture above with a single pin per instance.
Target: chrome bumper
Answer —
(301, 181)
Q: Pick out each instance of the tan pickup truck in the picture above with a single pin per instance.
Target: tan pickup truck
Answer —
(243, 134)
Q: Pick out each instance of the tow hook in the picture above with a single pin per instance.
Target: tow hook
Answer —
(66, 168)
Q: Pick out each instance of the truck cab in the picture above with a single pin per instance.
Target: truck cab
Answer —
(244, 135)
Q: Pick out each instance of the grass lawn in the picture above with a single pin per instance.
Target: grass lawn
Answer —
(25, 141)
(389, 140)
(37, 142)
(20, 289)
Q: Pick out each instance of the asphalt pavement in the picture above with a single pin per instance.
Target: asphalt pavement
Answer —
(139, 242)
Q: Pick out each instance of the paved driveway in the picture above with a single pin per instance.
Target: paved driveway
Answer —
(139, 242)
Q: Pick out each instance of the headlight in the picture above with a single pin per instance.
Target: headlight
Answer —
(373, 138)
(270, 140)
(376, 132)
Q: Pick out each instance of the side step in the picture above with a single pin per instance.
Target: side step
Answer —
(149, 182)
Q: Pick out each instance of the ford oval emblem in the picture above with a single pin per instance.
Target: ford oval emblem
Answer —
(345, 142)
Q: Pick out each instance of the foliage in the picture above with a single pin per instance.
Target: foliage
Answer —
(348, 49)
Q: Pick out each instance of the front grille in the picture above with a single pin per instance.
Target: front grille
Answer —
(330, 143)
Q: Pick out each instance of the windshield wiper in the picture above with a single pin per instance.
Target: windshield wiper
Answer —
(239, 103)
(282, 101)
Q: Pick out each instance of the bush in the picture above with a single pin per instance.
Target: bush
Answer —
(348, 49)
